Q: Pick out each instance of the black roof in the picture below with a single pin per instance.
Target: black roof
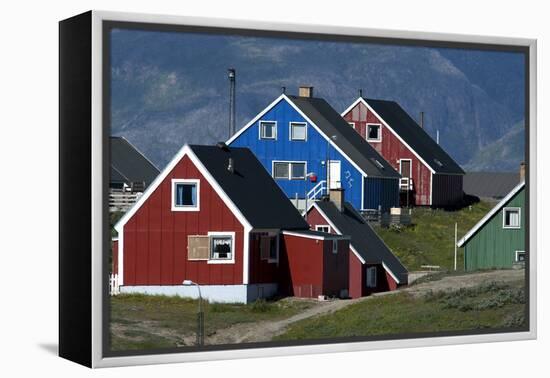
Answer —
(416, 137)
(363, 238)
(250, 187)
(129, 165)
(490, 185)
(358, 149)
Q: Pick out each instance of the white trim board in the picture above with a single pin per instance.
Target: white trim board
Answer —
(490, 214)
(316, 237)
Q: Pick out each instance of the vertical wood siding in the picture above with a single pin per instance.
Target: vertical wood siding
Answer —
(392, 149)
(494, 246)
(447, 190)
(261, 271)
(314, 151)
(383, 192)
(155, 237)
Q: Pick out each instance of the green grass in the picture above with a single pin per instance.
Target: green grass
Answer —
(486, 306)
(430, 239)
(146, 321)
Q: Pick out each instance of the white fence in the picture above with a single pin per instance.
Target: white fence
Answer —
(114, 288)
(122, 201)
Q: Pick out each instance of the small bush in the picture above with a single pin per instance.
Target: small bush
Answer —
(260, 305)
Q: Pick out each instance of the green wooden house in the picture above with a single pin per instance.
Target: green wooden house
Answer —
(498, 239)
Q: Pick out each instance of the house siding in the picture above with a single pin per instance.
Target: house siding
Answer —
(380, 192)
(392, 150)
(155, 237)
(309, 268)
(314, 151)
(494, 246)
(447, 190)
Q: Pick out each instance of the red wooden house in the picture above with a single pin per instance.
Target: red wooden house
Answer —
(372, 265)
(430, 177)
(215, 217)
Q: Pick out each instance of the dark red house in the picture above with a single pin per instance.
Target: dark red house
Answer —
(430, 177)
(215, 217)
(372, 265)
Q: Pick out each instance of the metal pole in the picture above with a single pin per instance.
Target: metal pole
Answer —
(328, 167)
(232, 83)
(456, 235)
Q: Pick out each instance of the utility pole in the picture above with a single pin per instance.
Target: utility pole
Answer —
(456, 235)
(231, 73)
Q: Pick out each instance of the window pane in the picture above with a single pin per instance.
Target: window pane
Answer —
(186, 194)
(298, 170)
(298, 131)
(521, 256)
(373, 132)
(268, 130)
(280, 170)
(273, 248)
(221, 247)
(511, 218)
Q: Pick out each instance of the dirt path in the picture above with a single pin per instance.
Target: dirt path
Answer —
(265, 331)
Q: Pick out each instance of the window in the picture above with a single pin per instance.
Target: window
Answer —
(373, 133)
(371, 277)
(520, 256)
(298, 171)
(289, 170)
(185, 194)
(268, 130)
(352, 124)
(280, 170)
(377, 163)
(322, 228)
(268, 248)
(335, 246)
(298, 131)
(221, 246)
(511, 217)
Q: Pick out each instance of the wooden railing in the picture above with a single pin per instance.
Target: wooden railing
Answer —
(122, 201)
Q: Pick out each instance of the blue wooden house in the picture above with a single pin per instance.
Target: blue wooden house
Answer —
(300, 137)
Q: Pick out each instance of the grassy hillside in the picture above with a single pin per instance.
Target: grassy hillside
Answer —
(490, 305)
(430, 240)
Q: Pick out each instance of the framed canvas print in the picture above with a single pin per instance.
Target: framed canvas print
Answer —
(233, 189)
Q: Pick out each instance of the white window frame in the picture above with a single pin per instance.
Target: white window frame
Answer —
(517, 255)
(371, 268)
(377, 140)
(335, 246)
(318, 226)
(289, 162)
(352, 124)
(213, 234)
(290, 124)
(504, 218)
(260, 136)
(176, 181)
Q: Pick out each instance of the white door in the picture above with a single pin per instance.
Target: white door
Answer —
(334, 174)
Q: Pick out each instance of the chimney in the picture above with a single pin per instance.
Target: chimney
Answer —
(522, 171)
(421, 120)
(336, 196)
(360, 93)
(231, 165)
(232, 76)
(305, 92)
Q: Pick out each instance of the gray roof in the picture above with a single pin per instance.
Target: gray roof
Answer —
(250, 187)
(490, 185)
(415, 136)
(130, 165)
(331, 124)
(363, 238)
